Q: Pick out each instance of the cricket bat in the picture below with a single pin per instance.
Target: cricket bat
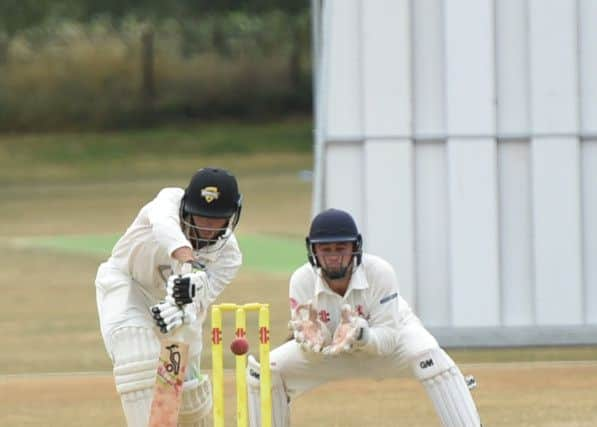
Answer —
(171, 371)
(167, 392)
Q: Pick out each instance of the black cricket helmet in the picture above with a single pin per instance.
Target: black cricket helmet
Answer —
(334, 226)
(212, 193)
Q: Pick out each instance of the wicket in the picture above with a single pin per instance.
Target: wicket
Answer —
(241, 363)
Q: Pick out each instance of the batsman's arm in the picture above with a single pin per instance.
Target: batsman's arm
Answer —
(179, 306)
(193, 281)
(222, 270)
(163, 215)
(183, 254)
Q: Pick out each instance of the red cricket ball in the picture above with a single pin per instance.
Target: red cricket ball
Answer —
(239, 346)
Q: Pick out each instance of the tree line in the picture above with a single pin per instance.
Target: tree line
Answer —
(18, 15)
(110, 64)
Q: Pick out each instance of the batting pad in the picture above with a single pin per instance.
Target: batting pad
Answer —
(196, 403)
(446, 388)
(280, 408)
(135, 353)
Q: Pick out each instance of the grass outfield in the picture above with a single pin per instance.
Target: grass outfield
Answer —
(158, 153)
(64, 230)
(519, 395)
(57, 210)
(268, 254)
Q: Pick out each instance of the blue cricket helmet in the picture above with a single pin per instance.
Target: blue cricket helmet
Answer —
(333, 225)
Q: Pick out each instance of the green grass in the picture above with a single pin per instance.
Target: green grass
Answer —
(85, 244)
(49, 320)
(204, 138)
(164, 151)
(272, 254)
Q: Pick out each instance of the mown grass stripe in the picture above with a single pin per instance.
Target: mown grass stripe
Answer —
(260, 252)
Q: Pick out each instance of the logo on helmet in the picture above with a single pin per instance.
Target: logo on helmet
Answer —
(210, 194)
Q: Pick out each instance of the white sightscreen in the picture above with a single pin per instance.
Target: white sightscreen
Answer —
(462, 136)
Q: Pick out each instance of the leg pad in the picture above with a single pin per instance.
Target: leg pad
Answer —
(135, 353)
(196, 403)
(446, 388)
(280, 407)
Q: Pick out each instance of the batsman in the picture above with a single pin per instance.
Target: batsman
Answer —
(348, 320)
(151, 287)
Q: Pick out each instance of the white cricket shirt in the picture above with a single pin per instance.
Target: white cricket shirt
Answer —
(144, 251)
(372, 292)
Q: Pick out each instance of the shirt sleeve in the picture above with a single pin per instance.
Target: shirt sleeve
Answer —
(223, 269)
(163, 214)
(300, 288)
(383, 315)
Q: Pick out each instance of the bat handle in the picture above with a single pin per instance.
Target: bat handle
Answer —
(179, 334)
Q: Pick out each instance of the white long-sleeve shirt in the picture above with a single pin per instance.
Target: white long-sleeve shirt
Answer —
(372, 292)
(144, 251)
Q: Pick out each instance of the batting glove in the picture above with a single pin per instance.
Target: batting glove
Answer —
(182, 289)
(168, 316)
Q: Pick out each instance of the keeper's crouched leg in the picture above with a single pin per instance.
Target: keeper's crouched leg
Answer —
(280, 407)
(446, 388)
(135, 352)
(196, 403)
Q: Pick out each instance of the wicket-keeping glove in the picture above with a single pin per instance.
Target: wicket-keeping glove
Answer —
(309, 332)
(351, 334)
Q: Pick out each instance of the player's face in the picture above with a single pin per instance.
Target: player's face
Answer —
(334, 257)
(209, 228)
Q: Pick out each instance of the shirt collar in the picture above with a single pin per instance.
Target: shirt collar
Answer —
(358, 281)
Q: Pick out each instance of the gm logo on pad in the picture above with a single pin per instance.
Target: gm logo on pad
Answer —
(426, 363)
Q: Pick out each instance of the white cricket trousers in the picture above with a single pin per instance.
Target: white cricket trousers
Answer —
(302, 371)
